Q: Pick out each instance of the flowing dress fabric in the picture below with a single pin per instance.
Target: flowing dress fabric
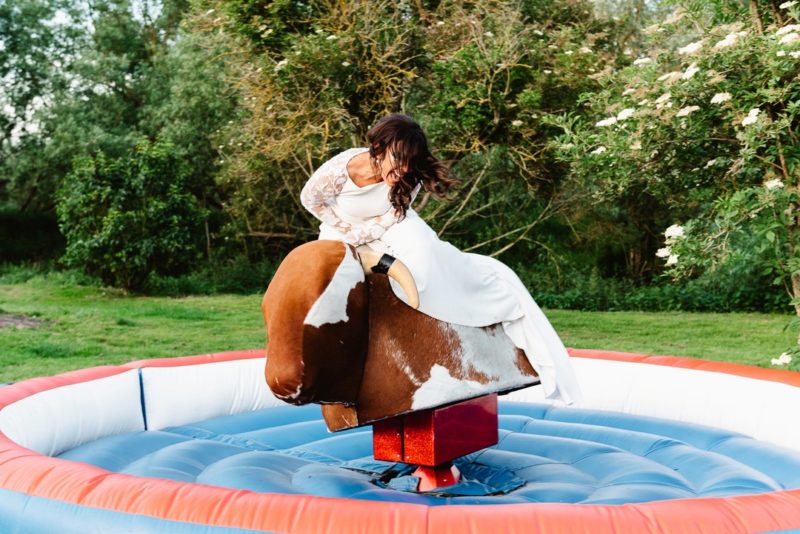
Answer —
(454, 286)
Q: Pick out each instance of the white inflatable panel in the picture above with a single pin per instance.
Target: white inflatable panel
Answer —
(188, 393)
(762, 409)
(52, 421)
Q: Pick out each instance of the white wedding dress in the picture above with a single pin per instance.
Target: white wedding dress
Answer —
(454, 286)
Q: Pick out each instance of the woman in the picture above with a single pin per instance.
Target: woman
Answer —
(363, 196)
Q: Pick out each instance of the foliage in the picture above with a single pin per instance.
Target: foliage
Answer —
(235, 275)
(737, 287)
(705, 124)
(128, 70)
(33, 43)
(127, 217)
(476, 76)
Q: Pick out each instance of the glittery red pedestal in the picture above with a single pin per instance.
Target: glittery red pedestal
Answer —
(434, 437)
(387, 439)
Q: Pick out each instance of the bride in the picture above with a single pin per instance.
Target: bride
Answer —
(363, 196)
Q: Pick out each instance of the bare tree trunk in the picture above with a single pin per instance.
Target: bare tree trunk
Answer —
(755, 14)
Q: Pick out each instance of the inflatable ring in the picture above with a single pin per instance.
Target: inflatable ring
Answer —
(44, 421)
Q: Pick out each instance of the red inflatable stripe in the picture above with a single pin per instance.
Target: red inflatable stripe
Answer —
(759, 373)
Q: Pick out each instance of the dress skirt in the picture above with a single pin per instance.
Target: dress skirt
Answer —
(475, 290)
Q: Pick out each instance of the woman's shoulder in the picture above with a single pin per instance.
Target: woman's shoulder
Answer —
(348, 153)
(339, 160)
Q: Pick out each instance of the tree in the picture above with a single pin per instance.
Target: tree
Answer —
(706, 123)
(36, 39)
(477, 76)
(125, 218)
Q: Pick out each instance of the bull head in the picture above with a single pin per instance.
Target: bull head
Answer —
(315, 311)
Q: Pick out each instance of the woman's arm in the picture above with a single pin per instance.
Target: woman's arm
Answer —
(319, 196)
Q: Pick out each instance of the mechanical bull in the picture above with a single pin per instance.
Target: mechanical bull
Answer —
(338, 336)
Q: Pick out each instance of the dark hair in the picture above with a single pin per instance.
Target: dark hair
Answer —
(410, 147)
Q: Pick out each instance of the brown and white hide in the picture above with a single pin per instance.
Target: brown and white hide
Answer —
(415, 362)
(315, 312)
(343, 340)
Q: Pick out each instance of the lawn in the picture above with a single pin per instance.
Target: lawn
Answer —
(88, 326)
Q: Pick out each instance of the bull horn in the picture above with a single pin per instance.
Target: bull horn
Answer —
(373, 262)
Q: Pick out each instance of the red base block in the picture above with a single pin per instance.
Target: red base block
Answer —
(437, 477)
(387, 439)
(434, 437)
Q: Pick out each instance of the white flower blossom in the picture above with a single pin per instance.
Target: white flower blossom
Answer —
(788, 28)
(625, 114)
(790, 38)
(775, 183)
(345, 63)
(547, 71)
(783, 359)
(691, 48)
(729, 40)
(688, 110)
(642, 61)
(670, 76)
(673, 231)
(516, 123)
(752, 117)
(691, 70)
(568, 53)
(672, 260)
(780, 53)
(606, 122)
(795, 54)
(719, 98)
(664, 252)
(787, 5)
(663, 98)
(599, 150)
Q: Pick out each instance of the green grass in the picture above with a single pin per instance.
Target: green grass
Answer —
(749, 338)
(88, 326)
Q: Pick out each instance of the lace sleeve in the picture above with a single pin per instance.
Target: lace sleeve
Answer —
(319, 196)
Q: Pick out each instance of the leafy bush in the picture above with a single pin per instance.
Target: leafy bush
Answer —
(129, 217)
(736, 289)
(237, 275)
(706, 124)
(21, 273)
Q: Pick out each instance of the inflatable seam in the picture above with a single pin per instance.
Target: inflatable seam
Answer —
(141, 399)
